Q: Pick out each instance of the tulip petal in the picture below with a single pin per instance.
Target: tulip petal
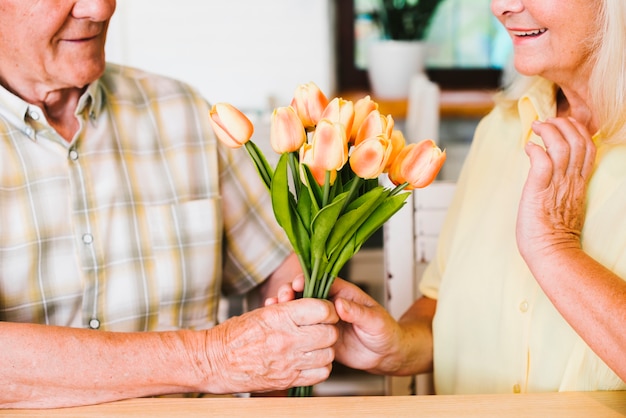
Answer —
(369, 158)
(231, 126)
(287, 133)
(417, 164)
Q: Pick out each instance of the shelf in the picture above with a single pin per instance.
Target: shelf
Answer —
(453, 103)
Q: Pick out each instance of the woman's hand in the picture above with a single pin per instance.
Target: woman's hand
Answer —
(552, 207)
(369, 337)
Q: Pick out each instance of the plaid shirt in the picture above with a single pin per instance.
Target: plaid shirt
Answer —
(139, 223)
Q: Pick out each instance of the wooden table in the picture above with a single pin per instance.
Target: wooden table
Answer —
(540, 405)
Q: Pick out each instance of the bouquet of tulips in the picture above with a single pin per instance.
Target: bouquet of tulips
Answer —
(324, 189)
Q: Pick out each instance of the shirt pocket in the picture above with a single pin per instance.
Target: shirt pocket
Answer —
(186, 242)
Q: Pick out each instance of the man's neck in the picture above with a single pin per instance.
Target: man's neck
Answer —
(59, 107)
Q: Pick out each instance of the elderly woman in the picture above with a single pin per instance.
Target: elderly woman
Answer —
(527, 291)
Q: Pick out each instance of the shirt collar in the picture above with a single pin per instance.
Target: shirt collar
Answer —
(537, 103)
(20, 113)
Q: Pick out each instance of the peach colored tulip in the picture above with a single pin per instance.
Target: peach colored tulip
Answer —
(330, 146)
(309, 102)
(287, 133)
(397, 144)
(341, 111)
(362, 108)
(417, 164)
(369, 158)
(373, 125)
(231, 126)
(319, 173)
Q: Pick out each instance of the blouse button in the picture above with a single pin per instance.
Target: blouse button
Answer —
(523, 306)
(94, 323)
(73, 155)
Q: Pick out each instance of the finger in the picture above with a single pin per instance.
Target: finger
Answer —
(589, 149)
(557, 148)
(270, 301)
(354, 313)
(286, 293)
(540, 173)
(346, 290)
(310, 311)
(313, 376)
(578, 140)
(298, 284)
(316, 358)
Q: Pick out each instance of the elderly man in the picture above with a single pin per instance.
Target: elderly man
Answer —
(122, 214)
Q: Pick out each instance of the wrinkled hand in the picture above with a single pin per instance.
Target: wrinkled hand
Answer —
(368, 336)
(277, 347)
(551, 211)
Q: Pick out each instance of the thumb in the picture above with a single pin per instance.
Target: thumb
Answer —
(353, 313)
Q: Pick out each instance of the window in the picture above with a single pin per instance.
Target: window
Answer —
(467, 48)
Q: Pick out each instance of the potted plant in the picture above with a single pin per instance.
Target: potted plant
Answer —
(394, 59)
(405, 20)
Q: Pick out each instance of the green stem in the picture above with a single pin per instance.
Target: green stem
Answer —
(309, 291)
(326, 188)
(329, 283)
(252, 151)
(398, 189)
(356, 183)
(293, 163)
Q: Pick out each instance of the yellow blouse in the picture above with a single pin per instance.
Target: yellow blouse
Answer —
(495, 331)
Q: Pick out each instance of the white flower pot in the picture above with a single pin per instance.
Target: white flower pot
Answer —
(390, 66)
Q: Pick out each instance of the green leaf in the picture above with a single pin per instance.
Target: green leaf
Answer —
(323, 224)
(347, 251)
(305, 210)
(285, 211)
(260, 162)
(348, 223)
(314, 189)
(361, 200)
(357, 213)
(379, 216)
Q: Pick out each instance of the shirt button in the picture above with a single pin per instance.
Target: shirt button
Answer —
(94, 323)
(523, 306)
(28, 131)
(516, 388)
(33, 115)
(87, 239)
(73, 155)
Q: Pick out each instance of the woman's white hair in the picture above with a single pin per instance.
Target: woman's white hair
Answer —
(608, 79)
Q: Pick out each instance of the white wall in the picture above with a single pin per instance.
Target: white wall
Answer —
(251, 53)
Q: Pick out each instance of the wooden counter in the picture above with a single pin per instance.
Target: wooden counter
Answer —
(540, 405)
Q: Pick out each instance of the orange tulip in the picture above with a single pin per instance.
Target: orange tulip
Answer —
(362, 108)
(319, 173)
(231, 126)
(330, 147)
(373, 125)
(397, 144)
(417, 164)
(287, 133)
(309, 102)
(341, 111)
(369, 158)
